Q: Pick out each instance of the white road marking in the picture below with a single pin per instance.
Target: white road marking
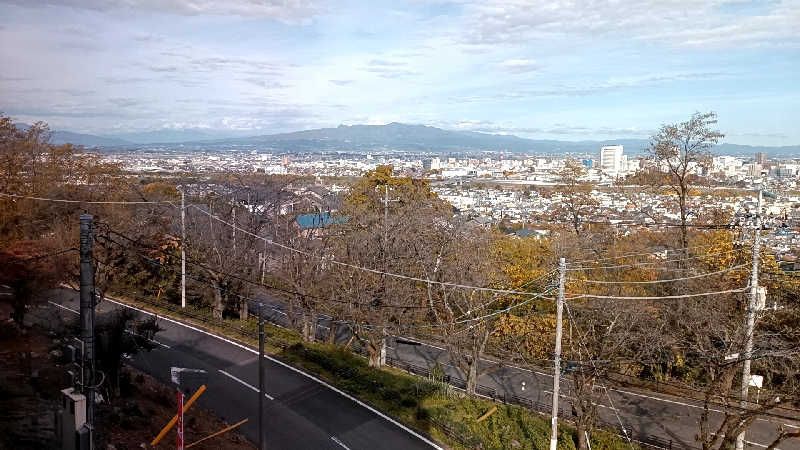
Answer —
(753, 443)
(63, 307)
(423, 343)
(344, 394)
(294, 369)
(659, 399)
(175, 373)
(334, 439)
(255, 389)
(420, 342)
(151, 340)
(694, 406)
(127, 331)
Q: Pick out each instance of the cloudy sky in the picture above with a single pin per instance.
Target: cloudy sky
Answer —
(563, 69)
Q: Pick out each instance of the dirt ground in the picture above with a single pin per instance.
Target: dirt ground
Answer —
(138, 419)
(31, 378)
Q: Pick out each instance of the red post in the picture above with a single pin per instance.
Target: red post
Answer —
(180, 421)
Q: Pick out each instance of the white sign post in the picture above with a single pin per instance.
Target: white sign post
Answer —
(756, 381)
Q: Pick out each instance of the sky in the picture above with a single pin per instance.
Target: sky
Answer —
(561, 69)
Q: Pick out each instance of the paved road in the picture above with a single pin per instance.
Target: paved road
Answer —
(302, 412)
(645, 414)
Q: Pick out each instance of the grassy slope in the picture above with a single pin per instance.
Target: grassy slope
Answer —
(447, 417)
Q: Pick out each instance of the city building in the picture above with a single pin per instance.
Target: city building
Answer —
(432, 164)
(761, 158)
(611, 158)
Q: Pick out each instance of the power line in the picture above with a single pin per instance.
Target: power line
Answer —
(103, 202)
(653, 253)
(647, 225)
(276, 288)
(205, 267)
(702, 275)
(663, 297)
(528, 283)
(365, 269)
(597, 373)
(484, 317)
(48, 255)
(650, 263)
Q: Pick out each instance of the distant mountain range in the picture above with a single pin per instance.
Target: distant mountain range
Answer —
(393, 136)
(87, 140)
(173, 136)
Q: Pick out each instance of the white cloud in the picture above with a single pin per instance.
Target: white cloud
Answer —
(674, 22)
(520, 65)
(283, 10)
(557, 129)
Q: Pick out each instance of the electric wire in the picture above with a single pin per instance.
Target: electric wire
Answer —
(439, 325)
(661, 297)
(365, 269)
(48, 255)
(597, 373)
(653, 253)
(650, 263)
(101, 202)
(271, 287)
(671, 280)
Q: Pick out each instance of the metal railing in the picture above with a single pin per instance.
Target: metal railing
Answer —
(643, 440)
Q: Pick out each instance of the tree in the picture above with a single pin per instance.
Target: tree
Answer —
(30, 268)
(120, 334)
(224, 256)
(384, 239)
(31, 165)
(608, 335)
(702, 340)
(305, 272)
(575, 200)
(465, 318)
(682, 151)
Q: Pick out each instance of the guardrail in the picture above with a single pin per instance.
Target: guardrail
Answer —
(643, 440)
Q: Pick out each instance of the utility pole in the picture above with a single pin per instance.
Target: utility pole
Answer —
(233, 228)
(385, 255)
(87, 319)
(183, 250)
(261, 430)
(751, 313)
(562, 268)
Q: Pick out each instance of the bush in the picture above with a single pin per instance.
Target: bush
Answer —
(408, 402)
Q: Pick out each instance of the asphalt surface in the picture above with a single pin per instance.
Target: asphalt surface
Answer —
(667, 418)
(301, 412)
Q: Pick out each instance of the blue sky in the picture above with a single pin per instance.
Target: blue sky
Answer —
(566, 69)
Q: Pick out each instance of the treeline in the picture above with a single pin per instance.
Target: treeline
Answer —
(396, 260)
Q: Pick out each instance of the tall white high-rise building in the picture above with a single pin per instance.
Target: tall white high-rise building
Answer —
(611, 158)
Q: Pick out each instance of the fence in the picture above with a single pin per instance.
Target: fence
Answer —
(643, 440)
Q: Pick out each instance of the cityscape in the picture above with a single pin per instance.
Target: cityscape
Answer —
(400, 225)
(493, 187)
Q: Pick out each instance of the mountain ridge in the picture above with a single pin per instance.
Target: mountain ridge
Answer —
(395, 136)
(427, 138)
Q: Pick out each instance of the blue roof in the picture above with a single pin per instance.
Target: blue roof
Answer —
(306, 221)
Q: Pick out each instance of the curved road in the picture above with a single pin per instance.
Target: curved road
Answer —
(301, 411)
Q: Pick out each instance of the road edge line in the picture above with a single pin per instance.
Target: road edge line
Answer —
(295, 369)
